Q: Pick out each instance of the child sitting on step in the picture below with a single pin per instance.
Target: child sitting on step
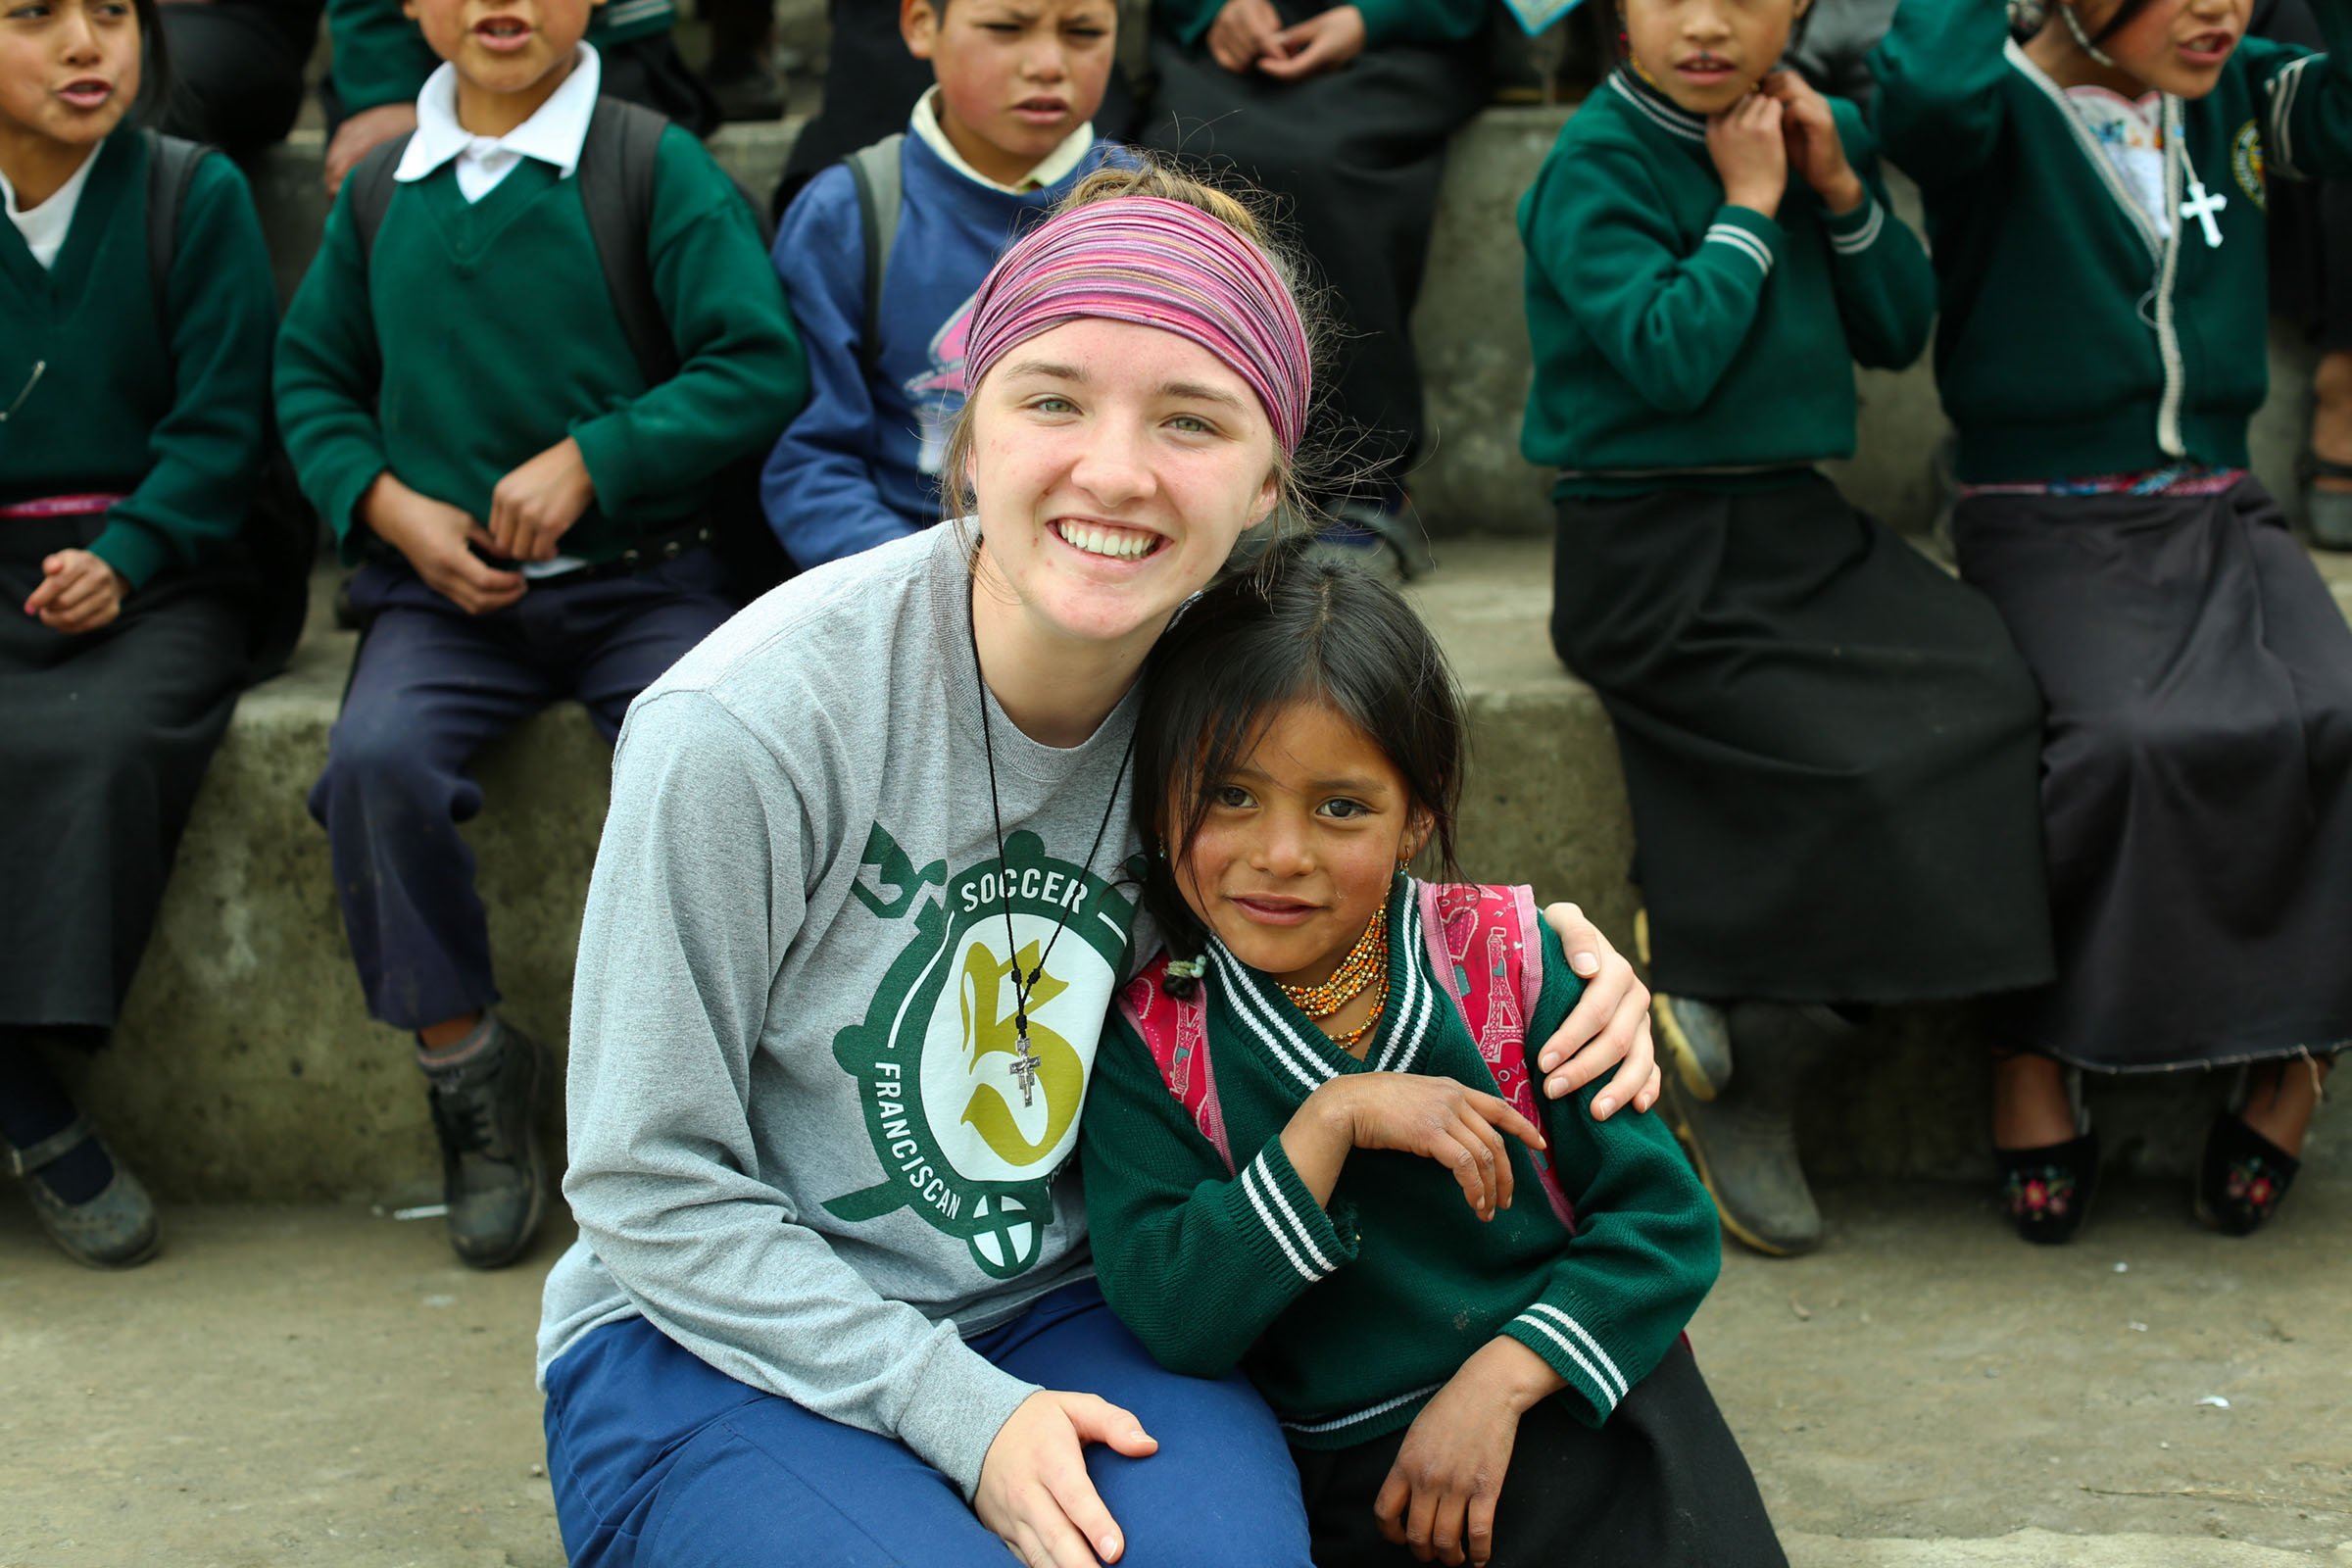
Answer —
(882, 253)
(1828, 746)
(1297, 1101)
(2098, 196)
(135, 314)
(530, 503)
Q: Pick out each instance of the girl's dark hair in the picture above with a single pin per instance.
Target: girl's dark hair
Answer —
(1292, 629)
(155, 62)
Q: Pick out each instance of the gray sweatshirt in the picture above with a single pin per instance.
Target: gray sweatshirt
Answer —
(804, 1142)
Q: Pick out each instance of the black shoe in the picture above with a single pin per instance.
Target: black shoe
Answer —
(486, 1114)
(2242, 1178)
(2048, 1190)
(1693, 1037)
(115, 1229)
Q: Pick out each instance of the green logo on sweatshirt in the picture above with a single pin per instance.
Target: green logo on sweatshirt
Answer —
(969, 1128)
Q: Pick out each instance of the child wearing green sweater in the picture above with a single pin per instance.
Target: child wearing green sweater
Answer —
(530, 509)
(2099, 198)
(135, 386)
(1828, 746)
(1289, 1117)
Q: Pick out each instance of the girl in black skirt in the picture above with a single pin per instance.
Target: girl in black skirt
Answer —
(136, 402)
(2097, 197)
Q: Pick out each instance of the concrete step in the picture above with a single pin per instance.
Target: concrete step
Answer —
(314, 1386)
(246, 1067)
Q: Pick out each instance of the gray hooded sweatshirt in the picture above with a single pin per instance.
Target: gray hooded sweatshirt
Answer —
(804, 1144)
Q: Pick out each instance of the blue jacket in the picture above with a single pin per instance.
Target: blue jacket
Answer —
(859, 465)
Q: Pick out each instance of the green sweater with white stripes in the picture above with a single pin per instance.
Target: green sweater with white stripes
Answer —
(2076, 339)
(1350, 1317)
(1677, 335)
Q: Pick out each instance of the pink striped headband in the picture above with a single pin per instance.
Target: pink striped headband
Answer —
(1154, 263)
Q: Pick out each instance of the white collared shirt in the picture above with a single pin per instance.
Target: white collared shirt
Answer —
(1056, 165)
(554, 135)
(45, 226)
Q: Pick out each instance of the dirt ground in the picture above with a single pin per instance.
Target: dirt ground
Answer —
(324, 1385)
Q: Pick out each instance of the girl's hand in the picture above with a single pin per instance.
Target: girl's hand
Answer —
(1325, 41)
(434, 537)
(1438, 1119)
(1815, 150)
(1243, 33)
(532, 507)
(78, 593)
(1439, 1499)
(1609, 1024)
(1752, 156)
(1033, 1491)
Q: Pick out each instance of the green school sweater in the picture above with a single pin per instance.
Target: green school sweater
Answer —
(1677, 335)
(1350, 1317)
(2075, 340)
(381, 58)
(171, 415)
(1385, 22)
(476, 338)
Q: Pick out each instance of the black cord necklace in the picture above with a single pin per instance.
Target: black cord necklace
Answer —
(1026, 1063)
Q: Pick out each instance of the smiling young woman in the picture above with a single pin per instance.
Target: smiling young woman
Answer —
(852, 938)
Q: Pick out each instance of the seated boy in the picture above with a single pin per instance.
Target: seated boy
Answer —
(1003, 136)
(380, 64)
(463, 403)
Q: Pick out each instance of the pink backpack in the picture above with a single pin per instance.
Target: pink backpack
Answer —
(1478, 940)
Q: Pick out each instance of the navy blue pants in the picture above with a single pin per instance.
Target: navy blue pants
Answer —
(432, 685)
(656, 1459)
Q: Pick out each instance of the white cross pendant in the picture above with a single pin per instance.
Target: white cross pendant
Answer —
(2201, 206)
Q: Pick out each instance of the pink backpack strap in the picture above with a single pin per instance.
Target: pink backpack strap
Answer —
(1481, 948)
(1176, 1033)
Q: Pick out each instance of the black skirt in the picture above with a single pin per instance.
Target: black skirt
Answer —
(1662, 1483)
(1352, 159)
(2196, 777)
(103, 740)
(1829, 748)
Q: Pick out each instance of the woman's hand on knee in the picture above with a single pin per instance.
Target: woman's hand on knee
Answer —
(1609, 1026)
(1033, 1491)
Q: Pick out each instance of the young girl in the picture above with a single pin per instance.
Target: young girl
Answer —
(131, 432)
(2097, 201)
(1828, 746)
(1288, 1113)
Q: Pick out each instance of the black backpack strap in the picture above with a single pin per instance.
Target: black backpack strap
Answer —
(371, 187)
(617, 187)
(880, 182)
(170, 170)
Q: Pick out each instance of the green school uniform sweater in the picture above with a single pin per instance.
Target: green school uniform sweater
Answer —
(381, 58)
(1385, 22)
(1677, 335)
(171, 415)
(1348, 1318)
(476, 336)
(2074, 339)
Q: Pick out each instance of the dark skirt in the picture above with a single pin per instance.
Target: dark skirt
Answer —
(106, 736)
(1661, 1483)
(2196, 776)
(1829, 748)
(1352, 159)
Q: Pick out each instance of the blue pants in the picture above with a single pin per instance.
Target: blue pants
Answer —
(431, 686)
(657, 1459)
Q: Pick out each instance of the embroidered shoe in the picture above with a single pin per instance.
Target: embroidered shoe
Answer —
(486, 1114)
(116, 1229)
(2047, 1191)
(2242, 1178)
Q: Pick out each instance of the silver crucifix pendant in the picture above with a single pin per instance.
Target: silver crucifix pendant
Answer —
(1025, 1063)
